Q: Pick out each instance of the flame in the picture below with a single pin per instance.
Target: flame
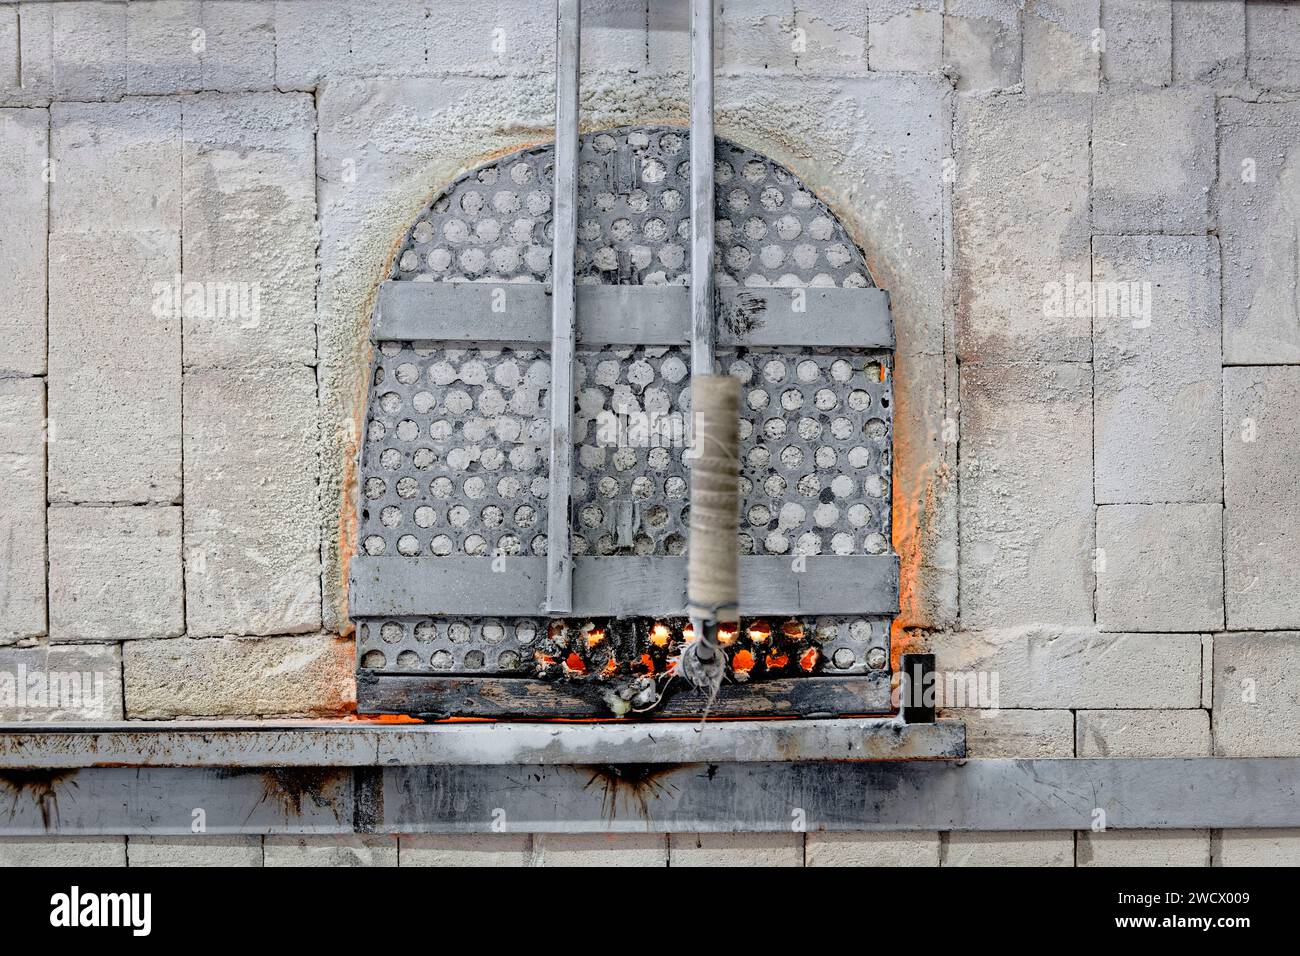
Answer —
(759, 632)
(777, 659)
(660, 635)
(595, 637)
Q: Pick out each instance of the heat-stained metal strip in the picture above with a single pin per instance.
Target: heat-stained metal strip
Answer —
(559, 557)
(356, 745)
(516, 698)
(618, 586)
(488, 313)
(717, 796)
(703, 326)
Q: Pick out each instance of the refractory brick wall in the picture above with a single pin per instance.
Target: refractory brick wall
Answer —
(1086, 212)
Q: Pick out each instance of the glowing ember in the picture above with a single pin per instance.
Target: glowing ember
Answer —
(776, 660)
(660, 635)
(610, 669)
(574, 665)
(808, 660)
(727, 634)
(742, 662)
(647, 663)
(760, 632)
(793, 630)
(688, 633)
(595, 637)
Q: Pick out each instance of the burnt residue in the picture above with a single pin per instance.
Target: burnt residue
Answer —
(290, 788)
(632, 785)
(42, 787)
(745, 314)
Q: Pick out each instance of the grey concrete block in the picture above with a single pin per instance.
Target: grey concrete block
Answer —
(1025, 734)
(63, 851)
(117, 166)
(872, 849)
(1256, 697)
(1059, 668)
(330, 850)
(1273, 42)
(1259, 162)
(1144, 848)
(1026, 495)
(1153, 161)
(10, 61)
(311, 39)
(228, 677)
(465, 849)
(89, 50)
(1020, 218)
(164, 42)
(1157, 384)
(735, 849)
(614, 34)
(22, 509)
(755, 35)
(53, 682)
(252, 526)
(28, 78)
(238, 45)
(114, 368)
(982, 42)
(832, 35)
(600, 849)
(24, 210)
(1160, 567)
(1258, 848)
(1062, 47)
(195, 851)
(1209, 42)
(1033, 848)
(250, 228)
(1143, 733)
(1139, 36)
(906, 35)
(1261, 432)
(397, 39)
(115, 573)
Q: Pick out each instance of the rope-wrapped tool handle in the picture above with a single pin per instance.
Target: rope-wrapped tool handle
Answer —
(713, 560)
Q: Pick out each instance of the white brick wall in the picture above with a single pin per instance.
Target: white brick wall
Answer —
(1083, 506)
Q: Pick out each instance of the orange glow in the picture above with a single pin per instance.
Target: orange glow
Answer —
(595, 637)
(808, 660)
(610, 669)
(573, 664)
(727, 634)
(776, 660)
(688, 633)
(660, 635)
(742, 662)
(760, 632)
(793, 630)
(647, 662)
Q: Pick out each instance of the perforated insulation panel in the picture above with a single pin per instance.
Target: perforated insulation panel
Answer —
(446, 590)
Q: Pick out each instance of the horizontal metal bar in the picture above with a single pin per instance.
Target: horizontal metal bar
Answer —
(522, 698)
(617, 586)
(493, 313)
(357, 745)
(925, 795)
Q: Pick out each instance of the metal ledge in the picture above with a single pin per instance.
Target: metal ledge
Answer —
(926, 795)
(617, 586)
(520, 312)
(313, 744)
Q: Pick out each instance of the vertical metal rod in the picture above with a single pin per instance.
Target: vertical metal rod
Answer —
(559, 556)
(703, 332)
